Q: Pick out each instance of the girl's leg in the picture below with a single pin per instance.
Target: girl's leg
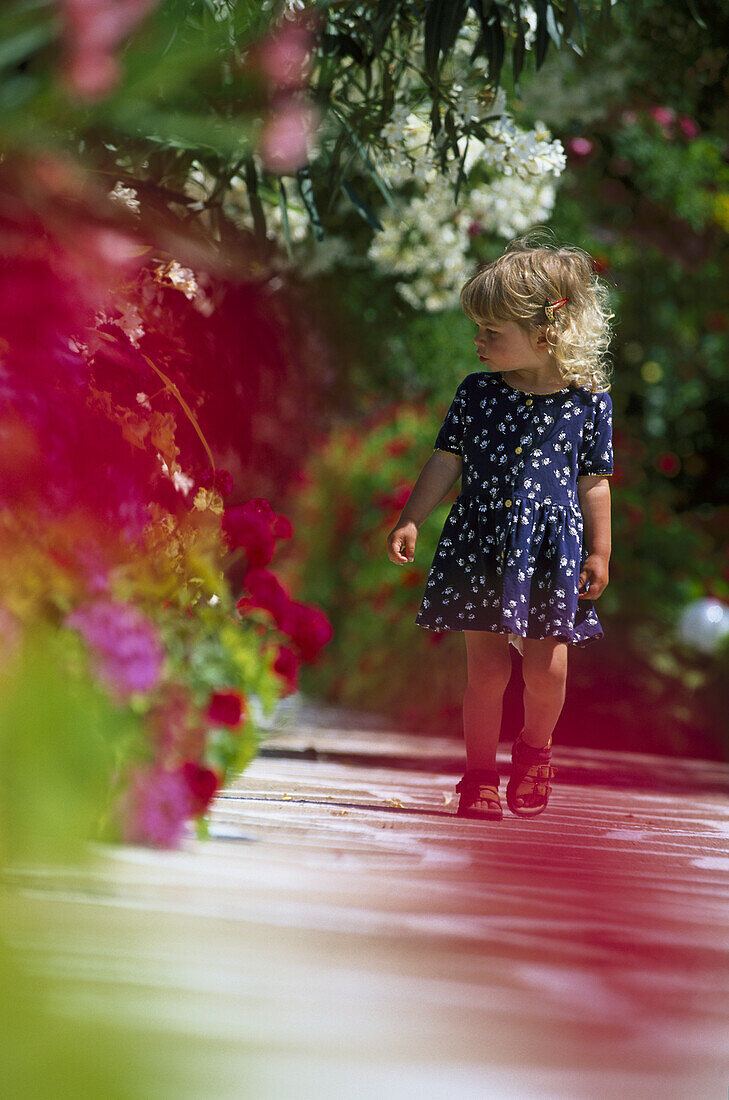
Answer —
(544, 669)
(489, 671)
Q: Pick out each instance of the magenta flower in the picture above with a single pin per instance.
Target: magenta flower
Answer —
(580, 146)
(287, 135)
(155, 807)
(93, 30)
(688, 126)
(127, 654)
(286, 56)
(664, 116)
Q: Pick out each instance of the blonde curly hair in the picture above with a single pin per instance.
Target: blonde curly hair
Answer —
(516, 286)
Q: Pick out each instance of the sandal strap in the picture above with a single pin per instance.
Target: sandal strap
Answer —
(476, 778)
(539, 774)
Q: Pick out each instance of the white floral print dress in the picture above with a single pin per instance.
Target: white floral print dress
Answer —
(511, 550)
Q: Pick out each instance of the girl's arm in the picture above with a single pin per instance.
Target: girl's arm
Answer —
(437, 478)
(593, 491)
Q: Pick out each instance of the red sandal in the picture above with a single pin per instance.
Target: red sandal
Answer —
(534, 765)
(480, 785)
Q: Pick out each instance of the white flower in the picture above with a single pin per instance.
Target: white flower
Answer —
(125, 196)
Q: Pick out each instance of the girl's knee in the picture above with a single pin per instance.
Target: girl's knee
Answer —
(545, 663)
(488, 658)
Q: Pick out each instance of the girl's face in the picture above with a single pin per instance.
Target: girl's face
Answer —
(505, 346)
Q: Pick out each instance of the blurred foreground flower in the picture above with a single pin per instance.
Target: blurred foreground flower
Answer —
(128, 655)
(288, 134)
(155, 807)
(93, 29)
(225, 708)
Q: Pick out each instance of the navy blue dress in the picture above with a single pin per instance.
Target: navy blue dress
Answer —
(510, 553)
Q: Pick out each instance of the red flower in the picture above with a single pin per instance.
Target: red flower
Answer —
(394, 501)
(226, 708)
(202, 784)
(287, 666)
(266, 592)
(668, 463)
(216, 479)
(308, 628)
(397, 447)
(255, 527)
(245, 527)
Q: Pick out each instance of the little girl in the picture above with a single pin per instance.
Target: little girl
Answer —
(526, 545)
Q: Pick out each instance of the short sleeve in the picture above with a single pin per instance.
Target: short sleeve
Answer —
(596, 452)
(450, 436)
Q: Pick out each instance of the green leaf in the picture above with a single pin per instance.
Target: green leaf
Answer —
(283, 206)
(554, 32)
(259, 218)
(386, 12)
(692, 8)
(20, 46)
(519, 51)
(306, 189)
(574, 9)
(443, 20)
(362, 207)
(496, 49)
(450, 126)
(542, 39)
(375, 175)
(461, 172)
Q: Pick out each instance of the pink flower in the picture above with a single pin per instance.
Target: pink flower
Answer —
(286, 56)
(287, 135)
(629, 118)
(127, 654)
(226, 708)
(688, 126)
(580, 146)
(664, 116)
(92, 30)
(155, 807)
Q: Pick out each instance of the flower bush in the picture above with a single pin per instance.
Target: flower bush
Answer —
(117, 541)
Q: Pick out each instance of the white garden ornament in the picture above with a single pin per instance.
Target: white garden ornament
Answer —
(704, 624)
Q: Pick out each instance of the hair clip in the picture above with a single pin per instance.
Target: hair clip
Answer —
(550, 307)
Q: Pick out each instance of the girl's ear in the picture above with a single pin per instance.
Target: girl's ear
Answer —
(542, 336)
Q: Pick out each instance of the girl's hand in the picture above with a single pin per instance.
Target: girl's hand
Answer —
(594, 570)
(401, 542)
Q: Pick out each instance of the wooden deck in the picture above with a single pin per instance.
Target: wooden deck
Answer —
(343, 934)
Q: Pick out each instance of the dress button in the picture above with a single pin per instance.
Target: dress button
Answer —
(507, 503)
(529, 401)
(518, 450)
